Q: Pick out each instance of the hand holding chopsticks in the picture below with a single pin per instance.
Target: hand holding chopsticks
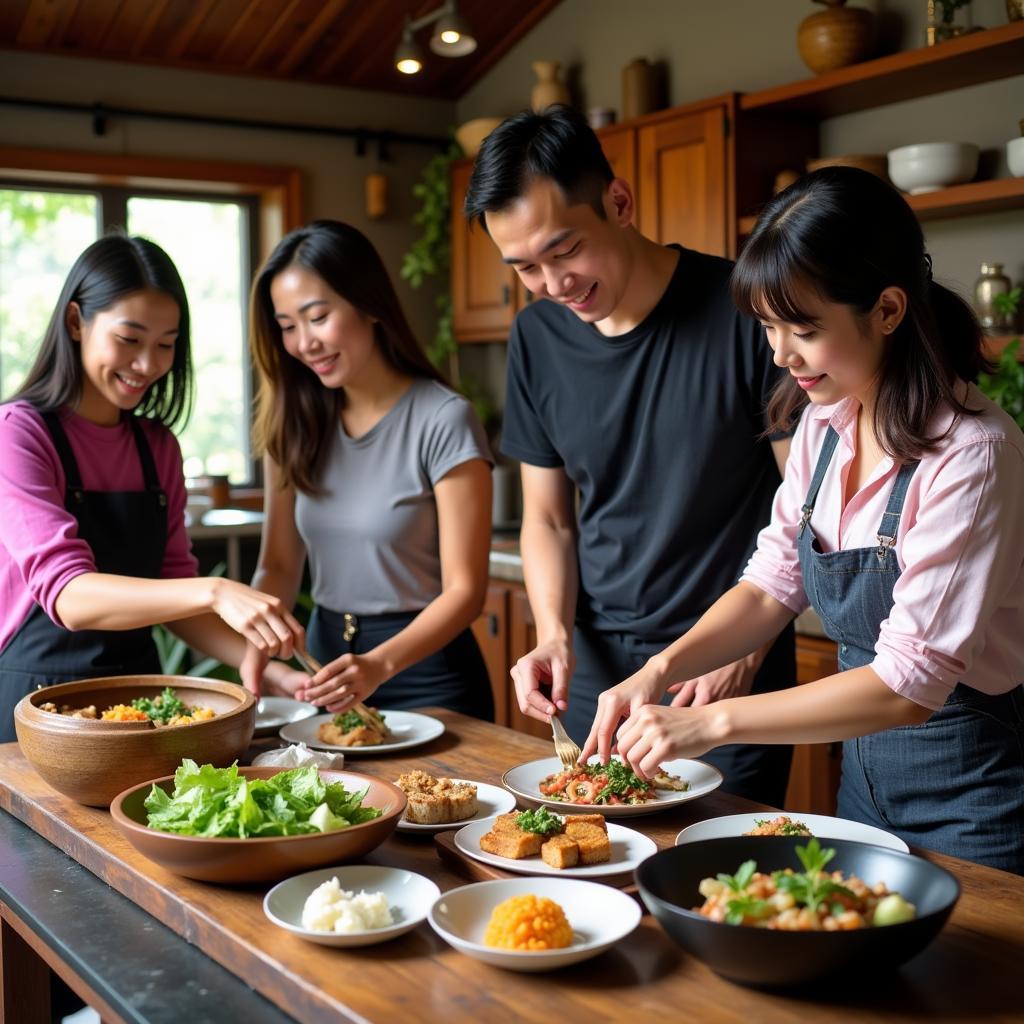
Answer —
(312, 666)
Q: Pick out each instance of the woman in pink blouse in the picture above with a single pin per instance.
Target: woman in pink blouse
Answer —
(898, 520)
(93, 549)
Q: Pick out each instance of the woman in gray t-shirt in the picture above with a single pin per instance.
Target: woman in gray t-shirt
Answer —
(376, 472)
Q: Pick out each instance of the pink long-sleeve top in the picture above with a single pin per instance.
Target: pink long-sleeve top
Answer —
(40, 550)
(958, 611)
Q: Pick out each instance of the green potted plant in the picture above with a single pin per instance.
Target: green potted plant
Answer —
(1006, 385)
(429, 257)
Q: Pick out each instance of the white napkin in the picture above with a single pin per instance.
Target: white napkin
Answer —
(298, 755)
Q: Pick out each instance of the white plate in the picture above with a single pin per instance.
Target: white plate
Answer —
(525, 779)
(821, 825)
(274, 712)
(410, 729)
(629, 849)
(491, 801)
(410, 897)
(599, 915)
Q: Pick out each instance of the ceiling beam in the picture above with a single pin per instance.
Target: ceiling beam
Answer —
(185, 35)
(309, 38)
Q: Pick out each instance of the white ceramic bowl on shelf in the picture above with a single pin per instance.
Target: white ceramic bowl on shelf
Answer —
(1015, 156)
(930, 166)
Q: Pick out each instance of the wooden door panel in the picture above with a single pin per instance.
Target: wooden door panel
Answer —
(814, 777)
(491, 632)
(483, 288)
(682, 190)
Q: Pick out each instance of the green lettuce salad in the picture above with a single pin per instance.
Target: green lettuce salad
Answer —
(210, 802)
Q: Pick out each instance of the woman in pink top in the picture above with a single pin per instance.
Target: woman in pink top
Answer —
(93, 549)
(898, 521)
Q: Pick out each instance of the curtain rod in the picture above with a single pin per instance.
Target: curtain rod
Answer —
(100, 112)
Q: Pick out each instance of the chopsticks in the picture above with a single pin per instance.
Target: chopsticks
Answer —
(312, 666)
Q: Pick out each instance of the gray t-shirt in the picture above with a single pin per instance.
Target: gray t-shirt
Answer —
(372, 536)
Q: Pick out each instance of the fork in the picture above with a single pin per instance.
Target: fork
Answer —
(567, 751)
(312, 666)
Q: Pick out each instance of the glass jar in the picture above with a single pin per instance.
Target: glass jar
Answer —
(991, 283)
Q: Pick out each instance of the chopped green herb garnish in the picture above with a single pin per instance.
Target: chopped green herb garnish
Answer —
(621, 779)
(741, 879)
(813, 887)
(746, 906)
(348, 721)
(162, 708)
(541, 821)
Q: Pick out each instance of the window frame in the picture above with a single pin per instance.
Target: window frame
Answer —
(274, 195)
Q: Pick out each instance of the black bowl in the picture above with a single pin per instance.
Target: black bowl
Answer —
(669, 881)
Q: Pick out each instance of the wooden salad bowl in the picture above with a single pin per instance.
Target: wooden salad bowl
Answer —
(234, 861)
(91, 761)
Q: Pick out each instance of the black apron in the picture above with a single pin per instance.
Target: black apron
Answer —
(127, 531)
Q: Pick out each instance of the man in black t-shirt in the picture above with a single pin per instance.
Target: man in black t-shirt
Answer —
(635, 404)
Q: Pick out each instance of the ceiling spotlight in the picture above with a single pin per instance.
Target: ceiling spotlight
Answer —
(408, 56)
(452, 37)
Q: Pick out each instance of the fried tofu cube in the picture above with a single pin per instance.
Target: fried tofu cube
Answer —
(515, 845)
(506, 822)
(592, 841)
(560, 852)
(587, 819)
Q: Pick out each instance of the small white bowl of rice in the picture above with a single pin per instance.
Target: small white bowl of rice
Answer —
(351, 905)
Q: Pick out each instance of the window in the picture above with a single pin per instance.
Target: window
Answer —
(209, 237)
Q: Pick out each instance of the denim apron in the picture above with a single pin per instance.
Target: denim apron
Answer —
(955, 783)
(127, 532)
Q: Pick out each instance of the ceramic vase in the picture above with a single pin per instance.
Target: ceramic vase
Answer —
(991, 283)
(836, 36)
(639, 89)
(548, 89)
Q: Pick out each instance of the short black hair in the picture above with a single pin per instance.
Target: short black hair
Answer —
(556, 144)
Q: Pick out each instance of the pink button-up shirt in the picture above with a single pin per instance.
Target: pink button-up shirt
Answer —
(958, 611)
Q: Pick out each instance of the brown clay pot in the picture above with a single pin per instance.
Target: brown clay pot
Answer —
(91, 761)
(836, 36)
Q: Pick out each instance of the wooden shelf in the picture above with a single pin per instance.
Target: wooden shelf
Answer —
(976, 197)
(983, 56)
(958, 201)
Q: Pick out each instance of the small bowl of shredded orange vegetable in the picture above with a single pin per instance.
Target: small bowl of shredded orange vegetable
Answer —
(534, 924)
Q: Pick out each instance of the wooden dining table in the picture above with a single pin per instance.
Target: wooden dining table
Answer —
(970, 972)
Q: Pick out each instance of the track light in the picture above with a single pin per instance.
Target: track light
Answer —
(452, 37)
(408, 56)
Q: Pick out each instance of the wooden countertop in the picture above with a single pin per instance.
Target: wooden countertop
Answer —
(969, 972)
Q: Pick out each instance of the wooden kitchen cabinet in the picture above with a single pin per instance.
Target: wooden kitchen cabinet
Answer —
(486, 293)
(491, 632)
(682, 178)
(814, 777)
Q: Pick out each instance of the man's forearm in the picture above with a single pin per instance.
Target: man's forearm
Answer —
(550, 574)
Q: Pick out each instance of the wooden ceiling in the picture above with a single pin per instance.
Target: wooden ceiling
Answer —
(331, 42)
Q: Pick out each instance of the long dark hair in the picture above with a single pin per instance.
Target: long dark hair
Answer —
(111, 268)
(557, 144)
(297, 415)
(845, 235)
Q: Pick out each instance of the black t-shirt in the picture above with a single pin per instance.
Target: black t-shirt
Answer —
(661, 430)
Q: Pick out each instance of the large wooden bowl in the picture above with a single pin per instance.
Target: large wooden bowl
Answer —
(228, 861)
(92, 761)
